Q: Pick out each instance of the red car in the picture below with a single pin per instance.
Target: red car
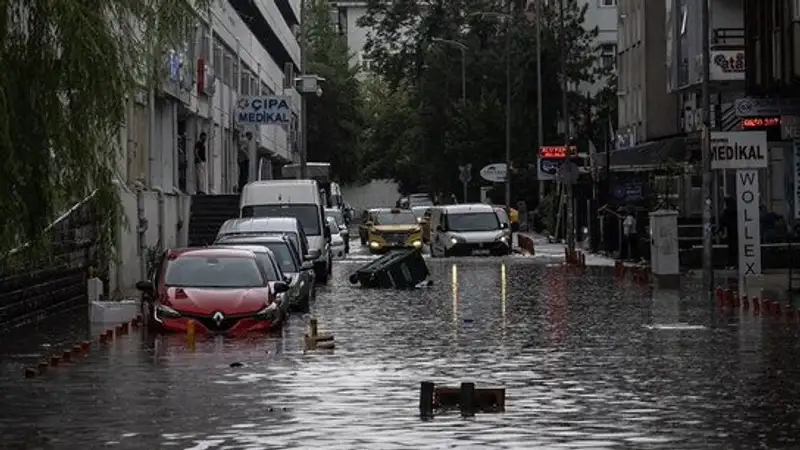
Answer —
(222, 290)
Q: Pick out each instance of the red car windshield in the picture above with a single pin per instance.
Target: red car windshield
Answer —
(213, 272)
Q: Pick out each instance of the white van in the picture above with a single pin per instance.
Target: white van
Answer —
(466, 230)
(300, 199)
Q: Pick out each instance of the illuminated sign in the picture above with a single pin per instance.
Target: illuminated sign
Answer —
(761, 122)
(556, 152)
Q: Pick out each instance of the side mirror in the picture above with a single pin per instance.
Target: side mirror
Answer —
(307, 265)
(504, 226)
(279, 287)
(312, 255)
(145, 286)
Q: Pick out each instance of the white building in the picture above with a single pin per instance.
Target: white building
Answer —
(347, 13)
(601, 14)
(240, 46)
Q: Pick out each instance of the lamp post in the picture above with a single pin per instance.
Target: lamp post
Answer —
(506, 15)
(463, 49)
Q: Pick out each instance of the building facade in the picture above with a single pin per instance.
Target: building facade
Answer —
(240, 47)
(346, 14)
(601, 14)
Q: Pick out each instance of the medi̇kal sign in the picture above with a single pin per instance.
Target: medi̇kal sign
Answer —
(264, 110)
(739, 150)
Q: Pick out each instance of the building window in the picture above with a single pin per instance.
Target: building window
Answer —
(608, 55)
(365, 63)
(245, 84)
(217, 60)
(607, 3)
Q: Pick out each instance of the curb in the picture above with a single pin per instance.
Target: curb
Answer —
(71, 355)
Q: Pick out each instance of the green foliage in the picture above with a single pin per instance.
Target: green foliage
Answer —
(334, 119)
(68, 66)
(402, 43)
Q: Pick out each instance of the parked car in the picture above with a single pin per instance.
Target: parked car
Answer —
(293, 266)
(300, 199)
(468, 229)
(222, 290)
(283, 226)
(385, 229)
(274, 271)
(338, 247)
(341, 225)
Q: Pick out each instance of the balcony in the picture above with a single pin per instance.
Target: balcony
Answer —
(727, 39)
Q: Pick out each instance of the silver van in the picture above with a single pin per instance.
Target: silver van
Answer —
(300, 199)
(264, 226)
(467, 230)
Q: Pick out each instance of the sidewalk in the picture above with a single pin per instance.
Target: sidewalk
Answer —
(545, 249)
(774, 282)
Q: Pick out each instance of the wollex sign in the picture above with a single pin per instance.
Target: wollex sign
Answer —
(748, 221)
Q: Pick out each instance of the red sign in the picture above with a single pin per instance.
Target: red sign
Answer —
(761, 122)
(556, 152)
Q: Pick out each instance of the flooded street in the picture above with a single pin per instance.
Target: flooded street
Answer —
(587, 362)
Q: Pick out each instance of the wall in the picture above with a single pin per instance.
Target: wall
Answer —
(375, 194)
(605, 19)
(659, 105)
(356, 36)
(124, 275)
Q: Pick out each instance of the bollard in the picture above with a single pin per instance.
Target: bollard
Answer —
(124, 328)
(54, 360)
(426, 389)
(42, 367)
(110, 334)
(776, 308)
(190, 333)
(466, 399)
(735, 299)
(728, 298)
(103, 339)
(118, 330)
(745, 303)
(789, 312)
(720, 295)
(85, 345)
(76, 350)
(134, 324)
(756, 305)
(312, 326)
(30, 372)
(66, 356)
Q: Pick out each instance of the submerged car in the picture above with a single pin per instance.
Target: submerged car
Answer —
(386, 229)
(300, 273)
(221, 290)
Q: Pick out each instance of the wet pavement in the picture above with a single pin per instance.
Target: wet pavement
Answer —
(587, 362)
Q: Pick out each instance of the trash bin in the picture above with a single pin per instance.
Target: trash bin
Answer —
(403, 269)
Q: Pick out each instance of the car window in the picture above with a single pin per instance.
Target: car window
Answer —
(213, 272)
(283, 256)
(269, 267)
(473, 222)
(396, 218)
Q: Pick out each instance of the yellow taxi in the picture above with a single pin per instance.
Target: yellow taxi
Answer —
(385, 229)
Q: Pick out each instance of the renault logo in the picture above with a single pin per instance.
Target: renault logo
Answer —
(218, 318)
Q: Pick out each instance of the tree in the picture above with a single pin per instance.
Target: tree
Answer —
(334, 119)
(401, 44)
(68, 66)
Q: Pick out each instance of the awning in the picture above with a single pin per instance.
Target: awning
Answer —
(648, 155)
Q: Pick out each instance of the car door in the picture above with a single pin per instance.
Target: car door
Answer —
(293, 294)
(437, 243)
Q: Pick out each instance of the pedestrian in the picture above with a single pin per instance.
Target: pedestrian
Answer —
(200, 163)
(729, 223)
(629, 234)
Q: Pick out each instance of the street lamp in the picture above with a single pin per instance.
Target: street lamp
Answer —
(463, 49)
(506, 15)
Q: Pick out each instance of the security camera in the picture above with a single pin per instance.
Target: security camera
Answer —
(319, 92)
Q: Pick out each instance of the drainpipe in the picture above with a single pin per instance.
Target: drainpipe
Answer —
(160, 214)
(141, 229)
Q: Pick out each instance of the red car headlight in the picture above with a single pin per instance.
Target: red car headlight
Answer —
(166, 312)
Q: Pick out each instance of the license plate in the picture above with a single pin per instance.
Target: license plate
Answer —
(480, 252)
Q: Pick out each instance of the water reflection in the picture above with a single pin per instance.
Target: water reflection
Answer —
(587, 363)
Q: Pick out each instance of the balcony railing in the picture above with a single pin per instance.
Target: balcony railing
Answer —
(727, 38)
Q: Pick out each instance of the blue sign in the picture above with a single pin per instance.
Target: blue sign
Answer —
(630, 191)
(264, 110)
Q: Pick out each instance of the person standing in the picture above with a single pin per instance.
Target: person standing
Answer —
(200, 163)
(629, 234)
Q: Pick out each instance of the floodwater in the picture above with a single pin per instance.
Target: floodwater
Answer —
(587, 362)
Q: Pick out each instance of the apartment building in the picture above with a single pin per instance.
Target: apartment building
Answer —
(772, 100)
(239, 47)
(601, 14)
(345, 15)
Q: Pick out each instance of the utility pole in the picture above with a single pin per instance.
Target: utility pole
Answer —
(569, 216)
(508, 104)
(539, 120)
(708, 267)
(303, 103)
